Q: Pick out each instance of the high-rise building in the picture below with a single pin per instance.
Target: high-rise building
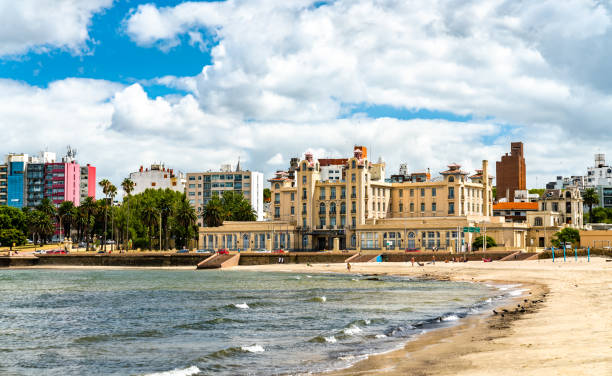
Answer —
(16, 164)
(3, 184)
(63, 182)
(88, 182)
(511, 175)
(35, 178)
(202, 186)
(157, 177)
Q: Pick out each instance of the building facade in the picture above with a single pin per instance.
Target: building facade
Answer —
(202, 186)
(3, 184)
(511, 173)
(157, 177)
(16, 164)
(364, 211)
(88, 182)
(514, 211)
(63, 182)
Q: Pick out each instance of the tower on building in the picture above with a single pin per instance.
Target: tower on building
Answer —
(510, 171)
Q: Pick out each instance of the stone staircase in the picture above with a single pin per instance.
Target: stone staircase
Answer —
(218, 261)
(362, 258)
(520, 256)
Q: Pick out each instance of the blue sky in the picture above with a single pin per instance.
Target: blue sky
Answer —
(197, 84)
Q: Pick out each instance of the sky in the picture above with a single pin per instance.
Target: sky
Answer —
(198, 84)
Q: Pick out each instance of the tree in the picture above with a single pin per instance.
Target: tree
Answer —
(105, 184)
(184, 218)
(590, 198)
(10, 237)
(149, 214)
(214, 212)
(89, 208)
(164, 206)
(267, 195)
(66, 213)
(128, 187)
(12, 218)
(494, 193)
(112, 192)
(40, 224)
(47, 207)
(477, 243)
(567, 235)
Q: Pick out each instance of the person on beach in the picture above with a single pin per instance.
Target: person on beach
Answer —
(348, 266)
(433, 259)
(412, 261)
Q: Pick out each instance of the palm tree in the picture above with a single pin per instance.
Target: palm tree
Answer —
(105, 184)
(47, 208)
(214, 213)
(112, 192)
(149, 214)
(89, 208)
(164, 205)
(128, 187)
(185, 218)
(590, 198)
(66, 212)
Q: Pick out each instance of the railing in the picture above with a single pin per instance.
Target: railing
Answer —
(342, 197)
(332, 197)
(343, 211)
(353, 195)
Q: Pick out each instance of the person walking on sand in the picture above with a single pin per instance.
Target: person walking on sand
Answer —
(433, 259)
(348, 266)
(412, 261)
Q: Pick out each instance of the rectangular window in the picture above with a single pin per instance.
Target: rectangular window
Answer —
(303, 208)
(353, 192)
(277, 212)
(401, 192)
(277, 198)
(304, 179)
(293, 210)
(332, 193)
(191, 185)
(401, 207)
(292, 196)
(451, 208)
(343, 193)
(192, 178)
(422, 192)
(353, 221)
(412, 207)
(433, 206)
(304, 195)
(433, 192)
(411, 192)
(422, 207)
(353, 207)
(322, 194)
(353, 178)
(451, 192)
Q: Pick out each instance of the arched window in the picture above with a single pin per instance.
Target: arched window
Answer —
(332, 208)
(538, 221)
(411, 243)
(277, 186)
(245, 240)
(342, 208)
(451, 179)
(322, 208)
(568, 194)
(304, 166)
(411, 235)
(353, 164)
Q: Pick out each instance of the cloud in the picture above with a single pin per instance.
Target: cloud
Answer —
(277, 159)
(39, 26)
(294, 62)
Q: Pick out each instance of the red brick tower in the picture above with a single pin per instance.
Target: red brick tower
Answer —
(510, 172)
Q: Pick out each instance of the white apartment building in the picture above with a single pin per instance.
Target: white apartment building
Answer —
(157, 177)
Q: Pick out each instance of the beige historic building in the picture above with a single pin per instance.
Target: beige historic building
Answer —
(352, 206)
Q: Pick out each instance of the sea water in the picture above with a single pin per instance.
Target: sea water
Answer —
(170, 322)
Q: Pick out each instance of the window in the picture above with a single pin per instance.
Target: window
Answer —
(401, 207)
(353, 207)
(412, 207)
(354, 221)
(342, 208)
(555, 206)
(322, 194)
(538, 221)
(322, 221)
(353, 178)
(191, 185)
(422, 192)
(411, 192)
(433, 206)
(543, 206)
(401, 192)
(332, 193)
(277, 198)
(292, 196)
(276, 186)
(451, 192)
(303, 208)
(277, 212)
(304, 179)
(293, 210)
(332, 221)
(353, 192)
(451, 179)
(192, 178)
(433, 192)
(332, 208)
(353, 164)
(422, 207)
(343, 193)
(451, 208)
(322, 208)
(304, 195)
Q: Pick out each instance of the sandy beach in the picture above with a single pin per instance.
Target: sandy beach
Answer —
(566, 331)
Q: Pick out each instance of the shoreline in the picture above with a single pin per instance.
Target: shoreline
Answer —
(568, 330)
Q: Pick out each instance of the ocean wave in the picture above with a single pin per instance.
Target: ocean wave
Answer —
(331, 339)
(380, 336)
(241, 306)
(193, 370)
(318, 299)
(352, 330)
(450, 318)
(297, 277)
(253, 348)
(517, 292)
(110, 337)
(208, 323)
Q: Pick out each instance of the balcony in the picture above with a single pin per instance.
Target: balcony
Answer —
(321, 212)
(353, 195)
(342, 197)
(353, 211)
(276, 202)
(333, 197)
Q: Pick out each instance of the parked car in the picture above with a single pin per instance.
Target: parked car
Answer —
(278, 251)
(40, 252)
(100, 251)
(262, 251)
(412, 250)
(223, 252)
(205, 251)
(57, 252)
(182, 251)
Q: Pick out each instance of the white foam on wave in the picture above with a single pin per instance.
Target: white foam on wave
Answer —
(353, 329)
(241, 306)
(381, 336)
(253, 348)
(331, 339)
(323, 299)
(489, 300)
(298, 277)
(193, 370)
(308, 276)
(517, 292)
(367, 321)
(450, 318)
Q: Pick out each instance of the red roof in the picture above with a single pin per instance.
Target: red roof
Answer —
(332, 161)
(516, 206)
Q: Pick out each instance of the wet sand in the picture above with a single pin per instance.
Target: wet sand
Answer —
(565, 328)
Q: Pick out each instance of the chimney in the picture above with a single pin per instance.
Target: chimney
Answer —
(485, 184)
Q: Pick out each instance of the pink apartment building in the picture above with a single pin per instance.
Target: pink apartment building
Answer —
(63, 182)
